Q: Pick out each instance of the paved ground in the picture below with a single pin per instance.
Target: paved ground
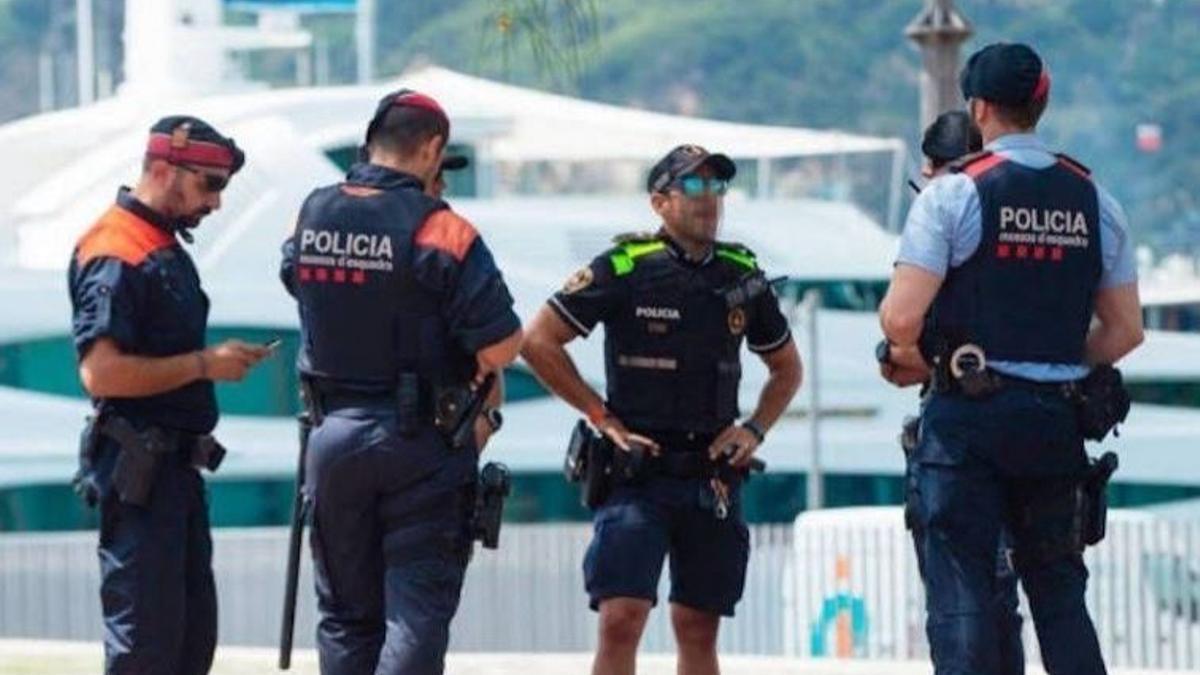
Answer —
(27, 657)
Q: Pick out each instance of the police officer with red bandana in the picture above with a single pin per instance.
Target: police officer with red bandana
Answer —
(139, 318)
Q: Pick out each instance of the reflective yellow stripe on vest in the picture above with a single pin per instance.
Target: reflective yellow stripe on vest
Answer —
(624, 257)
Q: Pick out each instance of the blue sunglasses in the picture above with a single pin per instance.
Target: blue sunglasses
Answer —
(695, 186)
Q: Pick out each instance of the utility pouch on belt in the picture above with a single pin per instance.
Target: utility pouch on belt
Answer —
(1102, 402)
(630, 467)
(207, 453)
(495, 484)
(575, 463)
(137, 462)
(1095, 497)
(84, 483)
(408, 404)
(909, 434)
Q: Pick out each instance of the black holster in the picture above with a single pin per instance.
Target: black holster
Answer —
(139, 454)
(495, 484)
(1102, 402)
(1048, 526)
(138, 457)
(1095, 492)
(589, 463)
(456, 408)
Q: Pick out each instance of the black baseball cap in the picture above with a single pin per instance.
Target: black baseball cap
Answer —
(455, 162)
(1006, 73)
(685, 159)
(951, 136)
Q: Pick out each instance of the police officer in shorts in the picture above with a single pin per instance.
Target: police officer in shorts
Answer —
(677, 305)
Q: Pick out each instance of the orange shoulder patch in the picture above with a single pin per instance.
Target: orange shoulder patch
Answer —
(447, 231)
(122, 235)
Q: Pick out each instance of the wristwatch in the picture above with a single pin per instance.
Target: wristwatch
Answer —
(494, 419)
(883, 352)
(757, 431)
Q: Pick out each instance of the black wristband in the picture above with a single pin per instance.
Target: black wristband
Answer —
(752, 427)
(883, 352)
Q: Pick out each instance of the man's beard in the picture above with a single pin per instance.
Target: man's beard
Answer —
(193, 219)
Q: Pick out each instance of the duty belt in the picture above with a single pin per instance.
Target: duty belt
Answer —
(993, 382)
(200, 450)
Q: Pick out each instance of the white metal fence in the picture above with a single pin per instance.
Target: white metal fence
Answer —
(848, 589)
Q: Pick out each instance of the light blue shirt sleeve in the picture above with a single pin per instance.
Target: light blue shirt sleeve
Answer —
(1118, 260)
(943, 225)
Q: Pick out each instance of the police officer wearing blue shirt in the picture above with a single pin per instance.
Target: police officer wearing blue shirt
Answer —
(1009, 259)
(400, 305)
(951, 136)
(676, 306)
(139, 317)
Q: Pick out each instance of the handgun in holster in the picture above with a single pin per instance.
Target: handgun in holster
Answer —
(456, 409)
(588, 462)
(495, 484)
(136, 468)
(1095, 497)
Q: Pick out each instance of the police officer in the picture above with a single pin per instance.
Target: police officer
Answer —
(401, 308)
(1011, 255)
(676, 306)
(951, 136)
(139, 317)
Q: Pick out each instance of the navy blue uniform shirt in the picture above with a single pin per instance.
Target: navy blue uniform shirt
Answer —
(131, 282)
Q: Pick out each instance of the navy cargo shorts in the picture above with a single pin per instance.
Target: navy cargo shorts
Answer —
(640, 524)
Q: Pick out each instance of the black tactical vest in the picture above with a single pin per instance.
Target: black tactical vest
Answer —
(1027, 293)
(672, 348)
(363, 317)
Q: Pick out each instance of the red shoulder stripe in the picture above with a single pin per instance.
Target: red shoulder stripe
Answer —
(447, 231)
(983, 165)
(122, 235)
(358, 190)
(1074, 168)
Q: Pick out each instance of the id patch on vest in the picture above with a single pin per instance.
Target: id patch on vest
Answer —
(578, 281)
(737, 321)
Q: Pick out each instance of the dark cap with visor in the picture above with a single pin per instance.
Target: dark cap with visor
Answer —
(685, 159)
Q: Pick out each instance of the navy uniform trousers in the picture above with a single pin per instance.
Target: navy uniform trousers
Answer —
(977, 462)
(389, 540)
(156, 582)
